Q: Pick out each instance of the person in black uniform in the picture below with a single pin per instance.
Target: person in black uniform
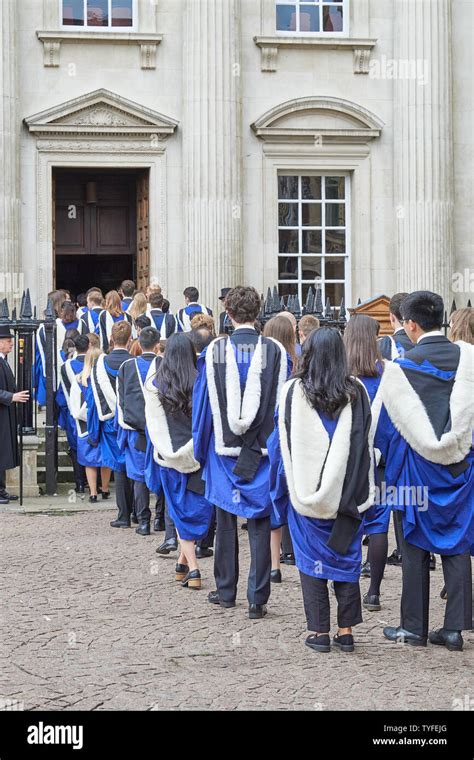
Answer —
(224, 319)
(395, 346)
(9, 397)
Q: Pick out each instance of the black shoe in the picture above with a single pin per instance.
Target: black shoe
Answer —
(402, 636)
(159, 525)
(181, 572)
(287, 559)
(167, 546)
(443, 594)
(8, 496)
(345, 642)
(432, 562)
(395, 558)
(192, 580)
(4, 501)
(93, 499)
(257, 611)
(452, 640)
(365, 541)
(105, 494)
(80, 489)
(365, 569)
(119, 524)
(203, 551)
(275, 576)
(372, 603)
(319, 643)
(244, 526)
(143, 529)
(213, 598)
(134, 518)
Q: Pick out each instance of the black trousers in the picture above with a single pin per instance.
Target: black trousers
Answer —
(79, 471)
(3, 481)
(317, 608)
(286, 542)
(457, 571)
(141, 498)
(170, 530)
(226, 558)
(123, 496)
(208, 541)
(160, 506)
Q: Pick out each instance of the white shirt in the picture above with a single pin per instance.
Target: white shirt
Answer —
(431, 334)
(245, 327)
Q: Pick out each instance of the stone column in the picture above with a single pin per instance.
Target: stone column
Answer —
(212, 153)
(11, 284)
(423, 145)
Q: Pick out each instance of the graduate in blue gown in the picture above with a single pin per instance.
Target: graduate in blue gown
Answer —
(322, 481)
(108, 317)
(91, 314)
(57, 298)
(71, 368)
(425, 420)
(168, 409)
(185, 315)
(165, 323)
(235, 398)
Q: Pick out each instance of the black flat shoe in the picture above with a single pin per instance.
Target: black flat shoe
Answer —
(158, 525)
(4, 501)
(213, 598)
(134, 518)
(143, 529)
(80, 489)
(275, 576)
(432, 562)
(244, 526)
(452, 640)
(395, 558)
(105, 494)
(93, 499)
(345, 642)
(10, 497)
(287, 559)
(257, 611)
(365, 569)
(443, 594)
(204, 551)
(119, 524)
(181, 572)
(192, 580)
(372, 603)
(319, 643)
(167, 546)
(402, 636)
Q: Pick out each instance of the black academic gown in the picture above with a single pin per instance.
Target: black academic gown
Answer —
(9, 456)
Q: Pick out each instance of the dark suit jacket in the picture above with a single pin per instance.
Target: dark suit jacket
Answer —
(9, 457)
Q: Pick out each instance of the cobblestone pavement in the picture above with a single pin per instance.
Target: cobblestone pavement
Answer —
(92, 619)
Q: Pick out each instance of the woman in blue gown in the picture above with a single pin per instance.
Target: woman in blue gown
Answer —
(168, 410)
(321, 481)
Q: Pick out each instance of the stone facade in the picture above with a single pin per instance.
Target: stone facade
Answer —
(217, 103)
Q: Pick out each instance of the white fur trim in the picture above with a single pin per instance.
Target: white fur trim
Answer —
(221, 448)
(106, 388)
(409, 416)
(41, 331)
(181, 460)
(242, 410)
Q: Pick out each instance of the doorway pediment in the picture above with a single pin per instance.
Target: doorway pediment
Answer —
(101, 113)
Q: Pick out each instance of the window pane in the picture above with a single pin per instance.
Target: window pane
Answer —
(335, 241)
(288, 214)
(335, 188)
(335, 269)
(311, 214)
(287, 289)
(312, 242)
(286, 18)
(310, 268)
(287, 187)
(309, 18)
(288, 267)
(332, 18)
(288, 242)
(122, 12)
(73, 12)
(311, 188)
(335, 215)
(335, 292)
(97, 13)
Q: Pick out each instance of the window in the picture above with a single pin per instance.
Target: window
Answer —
(312, 16)
(313, 236)
(98, 14)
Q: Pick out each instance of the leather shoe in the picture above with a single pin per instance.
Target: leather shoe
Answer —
(395, 558)
(158, 525)
(320, 643)
(134, 518)
(213, 598)
(167, 546)
(365, 569)
(8, 496)
(275, 576)
(345, 642)
(203, 551)
(402, 636)
(372, 603)
(257, 611)
(192, 580)
(143, 529)
(119, 524)
(287, 559)
(4, 501)
(452, 640)
(443, 594)
(432, 562)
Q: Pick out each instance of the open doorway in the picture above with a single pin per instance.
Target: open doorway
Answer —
(100, 228)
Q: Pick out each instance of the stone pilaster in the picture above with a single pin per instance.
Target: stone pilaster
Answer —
(212, 153)
(423, 144)
(11, 283)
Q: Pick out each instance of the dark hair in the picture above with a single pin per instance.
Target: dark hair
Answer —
(395, 305)
(94, 289)
(243, 304)
(424, 308)
(360, 340)
(142, 322)
(165, 307)
(176, 375)
(81, 343)
(156, 299)
(121, 333)
(149, 337)
(324, 373)
(81, 299)
(69, 340)
(192, 294)
(128, 288)
(200, 337)
(68, 312)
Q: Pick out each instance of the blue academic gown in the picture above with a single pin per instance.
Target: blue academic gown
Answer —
(65, 419)
(191, 310)
(39, 378)
(442, 521)
(135, 460)
(104, 433)
(223, 488)
(377, 517)
(89, 453)
(310, 535)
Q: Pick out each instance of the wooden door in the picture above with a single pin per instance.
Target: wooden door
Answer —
(143, 230)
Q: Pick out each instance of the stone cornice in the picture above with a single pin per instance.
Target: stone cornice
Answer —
(52, 41)
(270, 46)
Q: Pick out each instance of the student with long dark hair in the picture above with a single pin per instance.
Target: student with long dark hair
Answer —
(168, 411)
(322, 480)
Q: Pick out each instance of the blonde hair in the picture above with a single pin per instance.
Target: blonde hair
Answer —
(204, 320)
(462, 325)
(113, 303)
(138, 306)
(91, 357)
(94, 340)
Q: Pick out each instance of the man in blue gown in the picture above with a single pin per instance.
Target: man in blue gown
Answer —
(185, 315)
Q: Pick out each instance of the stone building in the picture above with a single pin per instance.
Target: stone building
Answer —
(212, 142)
